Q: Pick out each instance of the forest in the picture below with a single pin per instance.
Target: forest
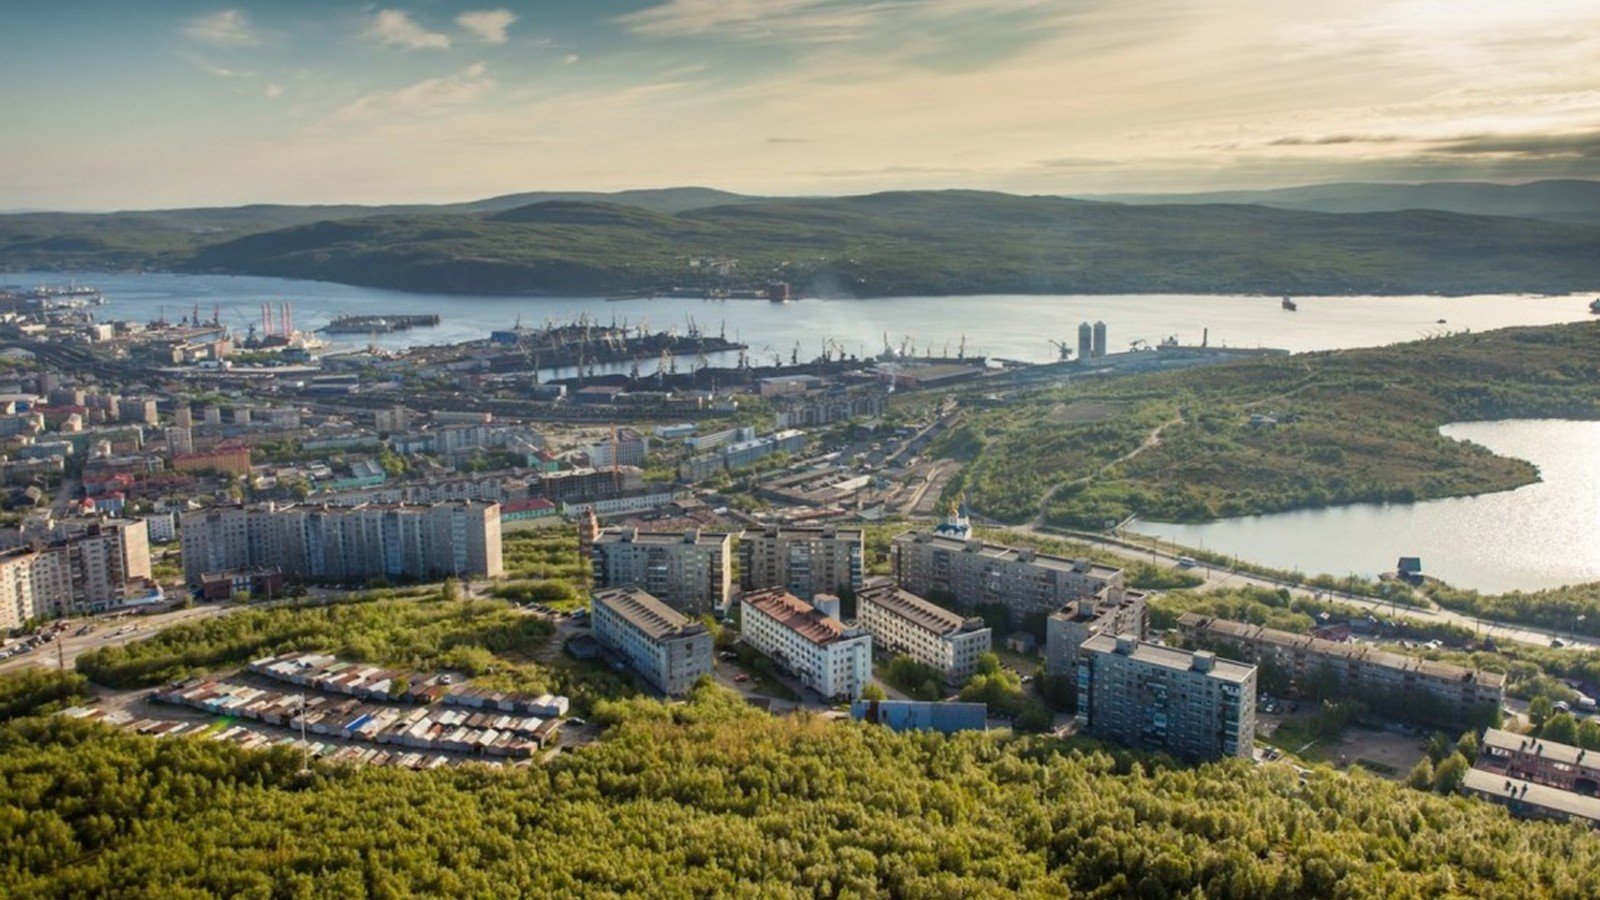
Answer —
(712, 797)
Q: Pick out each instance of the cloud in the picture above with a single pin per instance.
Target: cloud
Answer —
(272, 91)
(487, 25)
(229, 27)
(395, 27)
(788, 140)
(569, 59)
(430, 97)
(1332, 139)
(805, 21)
(1574, 145)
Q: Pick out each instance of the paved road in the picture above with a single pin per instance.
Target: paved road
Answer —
(1222, 578)
(110, 631)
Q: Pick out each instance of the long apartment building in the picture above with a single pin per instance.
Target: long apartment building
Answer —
(81, 567)
(1359, 668)
(971, 573)
(805, 561)
(1550, 763)
(1068, 627)
(902, 622)
(668, 649)
(831, 659)
(1190, 704)
(340, 543)
(689, 571)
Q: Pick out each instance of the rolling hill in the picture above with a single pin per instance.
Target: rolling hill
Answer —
(1553, 200)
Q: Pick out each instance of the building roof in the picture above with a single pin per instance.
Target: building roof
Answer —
(1512, 790)
(648, 614)
(1430, 668)
(660, 538)
(1523, 745)
(1010, 554)
(831, 532)
(797, 615)
(920, 612)
(1169, 657)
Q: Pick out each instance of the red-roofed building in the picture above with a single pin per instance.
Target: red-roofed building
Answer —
(831, 659)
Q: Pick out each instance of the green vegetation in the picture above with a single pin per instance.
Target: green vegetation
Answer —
(1354, 425)
(919, 681)
(897, 243)
(1002, 690)
(544, 554)
(711, 797)
(35, 691)
(1574, 609)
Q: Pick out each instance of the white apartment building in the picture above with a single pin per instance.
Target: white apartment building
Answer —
(827, 657)
(902, 622)
(16, 587)
(668, 649)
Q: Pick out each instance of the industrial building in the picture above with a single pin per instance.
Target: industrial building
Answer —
(969, 573)
(339, 543)
(1457, 693)
(690, 571)
(1190, 704)
(902, 622)
(831, 659)
(666, 648)
(805, 561)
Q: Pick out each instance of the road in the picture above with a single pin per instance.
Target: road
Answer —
(110, 631)
(1217, 578)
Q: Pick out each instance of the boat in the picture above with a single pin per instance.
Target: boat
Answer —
(1289, 305)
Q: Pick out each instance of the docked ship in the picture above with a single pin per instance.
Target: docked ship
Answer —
(379, 324)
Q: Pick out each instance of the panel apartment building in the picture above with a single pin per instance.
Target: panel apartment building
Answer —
(78, 567)
(805, 561)
(827, 657)
(687, 570)
(342, 543)
(1360, 669)
(902, 622)
(1190, 704)
(1068, 627)
(668, 649)
(970, 573)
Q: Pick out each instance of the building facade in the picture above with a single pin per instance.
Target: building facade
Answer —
(668, 649)
(902, 622)
(1068, 627)
(1550, 763)
(78, 567)
(1425, 688)
(343, 543)
(805, 561)
(827, 657)
(689, 571)
(1190, 704)
(970, 573)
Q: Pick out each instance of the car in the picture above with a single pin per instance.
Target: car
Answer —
(1557, 643)
(742, 677)
(447, 679)
(1187, 562)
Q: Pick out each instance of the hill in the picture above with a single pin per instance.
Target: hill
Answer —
(1568, 200)
(895, 243)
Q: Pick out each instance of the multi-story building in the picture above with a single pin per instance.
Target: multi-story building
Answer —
(805, 561)
(1549, 763)
(342, 543)
(970, 573)
(1190, 704)
(228, 457)
(394, 420)
(1068, 627)
(687, 570)
(1427, 688)
(76, 566)
(1532, 800)
(902, 622)
(668, 649)
(827, 657)
(626, 448)
(180, 440)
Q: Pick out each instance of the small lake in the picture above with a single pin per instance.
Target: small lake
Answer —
(1542, 535)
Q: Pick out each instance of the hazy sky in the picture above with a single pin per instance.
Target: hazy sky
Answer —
(119, 104)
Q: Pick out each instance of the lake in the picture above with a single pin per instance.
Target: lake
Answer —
(1013, 327)
(1542, 535)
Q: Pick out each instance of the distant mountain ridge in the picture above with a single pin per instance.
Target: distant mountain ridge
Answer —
(889, 243)
(1569, 200)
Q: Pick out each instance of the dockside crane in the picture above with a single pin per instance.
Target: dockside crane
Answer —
(1063, 349)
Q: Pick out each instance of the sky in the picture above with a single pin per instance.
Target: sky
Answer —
(114, 104)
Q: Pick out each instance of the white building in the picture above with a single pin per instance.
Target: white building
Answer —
(827, 657)
(667, 649)
(902, 622)
(163, 527)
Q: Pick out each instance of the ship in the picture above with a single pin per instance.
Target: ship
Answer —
(379, 324)
(1289, 305)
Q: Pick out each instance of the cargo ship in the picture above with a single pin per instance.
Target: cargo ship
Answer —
(379, 324)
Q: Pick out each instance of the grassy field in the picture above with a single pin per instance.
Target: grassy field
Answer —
(1354, 425)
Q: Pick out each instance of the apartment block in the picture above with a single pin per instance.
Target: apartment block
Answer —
(1190, 704)
(1359, 669)
(827, 657)
(343, 543)
(1067, 628)
(228, 457)
(1550, 763)
(1531, 800)
(668, 649)
(75, 567)
(805, 561)
(16, 587)
(970, 573)
(902, 622)
(626, 448)
(689, 571)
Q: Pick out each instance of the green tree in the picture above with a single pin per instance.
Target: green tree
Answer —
(1561, 728)
(1467, 745)
(1421, 776)
(1540, 709)
(873, 691)
(1448, 774)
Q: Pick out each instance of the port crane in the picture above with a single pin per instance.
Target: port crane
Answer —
(1063, 349)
